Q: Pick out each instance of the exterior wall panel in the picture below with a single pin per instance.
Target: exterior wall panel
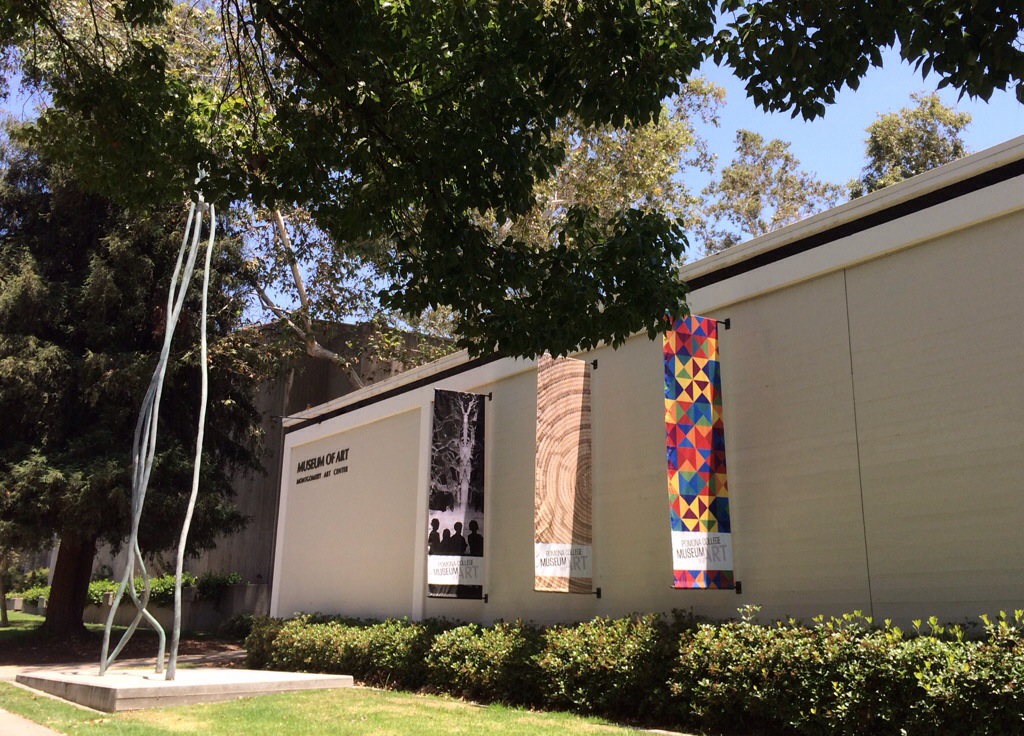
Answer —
(792, 452)
(939, 361)
(347, 543)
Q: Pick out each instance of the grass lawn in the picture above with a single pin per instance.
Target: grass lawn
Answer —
(351, 712)
(20, 621)
(23, 622)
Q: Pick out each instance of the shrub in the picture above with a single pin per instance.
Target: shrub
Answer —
(32, 595)
(842, 676)
(259, 642)
(161, 589)
(37, 578)
(211, 586)
(395, 653)
(612, 667)
(98, 588)
(18, 582)
(237, 627)
(977, 687)
(487, 664)
(388, 653)
(329, 647)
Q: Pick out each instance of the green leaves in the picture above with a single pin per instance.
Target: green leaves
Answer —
(761, 190)
(77, 343)
(795, 54)
(600, 281)
(911, 141)
(406, 123)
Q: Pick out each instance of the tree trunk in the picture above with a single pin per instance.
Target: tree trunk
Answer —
(70, 586)
(3, 591)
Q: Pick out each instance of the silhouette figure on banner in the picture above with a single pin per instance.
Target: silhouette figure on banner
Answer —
(458, 541)
(476, 540)
(434, 538)
(445, 542)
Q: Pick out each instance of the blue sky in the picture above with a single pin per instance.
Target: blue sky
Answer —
(833, 146)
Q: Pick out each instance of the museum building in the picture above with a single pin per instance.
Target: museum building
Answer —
(868, 385)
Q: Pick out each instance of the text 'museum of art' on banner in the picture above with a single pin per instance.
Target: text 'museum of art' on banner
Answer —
(695, 449)
(562, 490)
(455, 543)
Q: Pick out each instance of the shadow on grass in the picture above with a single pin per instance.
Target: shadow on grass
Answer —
(26, 643)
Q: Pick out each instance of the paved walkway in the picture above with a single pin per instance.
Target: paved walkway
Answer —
(15, 725)
(12, 725)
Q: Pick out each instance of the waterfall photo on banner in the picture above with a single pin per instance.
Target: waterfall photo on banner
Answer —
(455, 542)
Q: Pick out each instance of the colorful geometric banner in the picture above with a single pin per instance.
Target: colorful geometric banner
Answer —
(455, 543)
(562, 489)
(695, 449)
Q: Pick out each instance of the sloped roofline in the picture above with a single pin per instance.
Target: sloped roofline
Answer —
(945, 183)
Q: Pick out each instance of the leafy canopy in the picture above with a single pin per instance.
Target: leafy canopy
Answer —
(761, 190)
(82, 299)
(911, 141)
(406, 128)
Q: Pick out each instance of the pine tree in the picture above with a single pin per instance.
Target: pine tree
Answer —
(83, 289)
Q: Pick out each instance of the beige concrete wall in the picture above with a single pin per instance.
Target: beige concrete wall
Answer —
(792, 452)
(347, 542)
(938, 352)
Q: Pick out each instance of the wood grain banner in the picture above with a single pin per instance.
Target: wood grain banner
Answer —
(562, 490)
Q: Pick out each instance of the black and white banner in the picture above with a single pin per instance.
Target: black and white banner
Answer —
(455, 542)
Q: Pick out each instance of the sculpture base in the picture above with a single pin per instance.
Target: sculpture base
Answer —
(120, 690)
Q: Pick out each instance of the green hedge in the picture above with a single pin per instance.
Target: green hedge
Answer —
(844, 676)
(32, 595)
(606, 666)
(209, 586)
(838, 676)
(389, 653)
(495, 663)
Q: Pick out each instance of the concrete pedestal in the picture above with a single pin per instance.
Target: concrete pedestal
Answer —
(133, 689)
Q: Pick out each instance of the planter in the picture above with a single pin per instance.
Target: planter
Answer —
(38, 608)
(196, 615)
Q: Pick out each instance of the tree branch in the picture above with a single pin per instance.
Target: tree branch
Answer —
(313, 347)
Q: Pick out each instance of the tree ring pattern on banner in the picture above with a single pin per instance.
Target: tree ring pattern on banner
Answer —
(563, 486)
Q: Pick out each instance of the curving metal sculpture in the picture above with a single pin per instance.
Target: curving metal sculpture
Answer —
(144, 450)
